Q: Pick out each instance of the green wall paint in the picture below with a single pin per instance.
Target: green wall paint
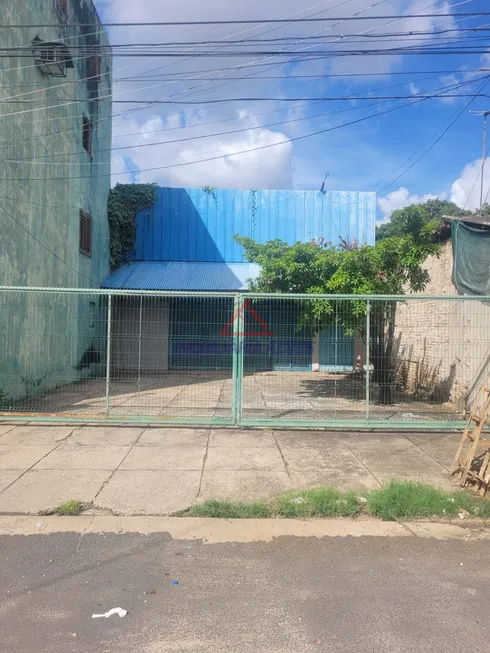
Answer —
(47, 204)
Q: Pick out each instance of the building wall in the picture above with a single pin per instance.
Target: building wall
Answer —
(140, 335)
(199, 224)
(442, 349)
(46, 178)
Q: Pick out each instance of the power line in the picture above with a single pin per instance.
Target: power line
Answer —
(326, 76)
(445, 128)
(110, 48)
(340, 98)
(232, 154)
(317, 54)
(245, 129)
(287, 47)
(207, 81)
(248, 65)
(252, 21)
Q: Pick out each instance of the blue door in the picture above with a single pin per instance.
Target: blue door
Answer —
(336, 349)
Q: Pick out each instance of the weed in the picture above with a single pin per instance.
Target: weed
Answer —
(318, 502)
(229, 510)
(410, 500)
(398, 500)
(70, 508)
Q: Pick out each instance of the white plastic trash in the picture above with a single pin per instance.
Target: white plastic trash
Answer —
(119, 611)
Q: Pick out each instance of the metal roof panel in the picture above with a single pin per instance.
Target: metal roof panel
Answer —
(182, 275)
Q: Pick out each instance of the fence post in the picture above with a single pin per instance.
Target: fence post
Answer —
(368, 355)
(139, 343)
(108, 368)
(237, 363)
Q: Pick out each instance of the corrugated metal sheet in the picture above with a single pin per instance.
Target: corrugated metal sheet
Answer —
(176, 275)
(199, 225)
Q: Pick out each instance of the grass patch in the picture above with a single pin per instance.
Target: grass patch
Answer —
(71, 508)
(410, 500)
(229, 510)
(398, 500)
(318, 502)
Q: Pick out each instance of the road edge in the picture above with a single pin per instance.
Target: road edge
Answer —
(215, 531)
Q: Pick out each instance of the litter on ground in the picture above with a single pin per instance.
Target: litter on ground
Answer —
(119, 611)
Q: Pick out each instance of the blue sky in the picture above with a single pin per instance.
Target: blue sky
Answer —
(371, 155)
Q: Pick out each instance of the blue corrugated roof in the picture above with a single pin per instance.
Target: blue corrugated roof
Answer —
(182, 275)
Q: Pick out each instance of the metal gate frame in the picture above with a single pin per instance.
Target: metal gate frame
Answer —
(236, 417)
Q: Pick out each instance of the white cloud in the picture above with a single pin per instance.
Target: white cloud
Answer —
(465, 191)
(270, 167)
(400, 198)
(413, 89)
(263, 168)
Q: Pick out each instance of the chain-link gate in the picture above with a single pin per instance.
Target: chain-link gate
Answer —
(241, 359)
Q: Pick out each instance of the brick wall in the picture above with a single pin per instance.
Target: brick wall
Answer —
(442, 347)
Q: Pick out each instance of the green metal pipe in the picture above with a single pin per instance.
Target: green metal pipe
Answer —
(368, 356)
(272, 296)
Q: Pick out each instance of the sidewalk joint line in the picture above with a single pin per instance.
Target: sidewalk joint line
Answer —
(33, 465)
(285, 463)
(203, 464)
(363, 464)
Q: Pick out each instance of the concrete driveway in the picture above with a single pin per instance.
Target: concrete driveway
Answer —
(157, 471)
(315, 396)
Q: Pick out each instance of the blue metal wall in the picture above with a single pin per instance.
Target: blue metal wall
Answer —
(198, 224)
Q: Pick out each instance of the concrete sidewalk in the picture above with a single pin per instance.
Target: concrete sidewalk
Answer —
(156, 471)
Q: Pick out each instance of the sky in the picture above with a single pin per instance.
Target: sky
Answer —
(405, 155)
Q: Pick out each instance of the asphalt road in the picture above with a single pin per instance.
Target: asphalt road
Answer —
(294, 594)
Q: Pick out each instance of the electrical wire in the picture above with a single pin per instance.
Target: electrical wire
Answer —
(232, 154)
(317, 54)
(288, 47)
(277, 65)
(445, 128)
(243, 31)
(263, 21)
(324, 76)
(88, 48)
(245, 129)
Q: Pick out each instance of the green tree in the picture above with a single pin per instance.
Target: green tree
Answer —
(391, 267)
(413, 218)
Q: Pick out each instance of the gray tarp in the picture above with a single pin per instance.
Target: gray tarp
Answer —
(471, 259)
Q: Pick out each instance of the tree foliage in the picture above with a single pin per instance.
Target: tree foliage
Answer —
(125, 202)
(413, 218)
(393, 266)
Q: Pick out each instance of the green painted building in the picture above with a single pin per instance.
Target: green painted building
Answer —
(55, 139)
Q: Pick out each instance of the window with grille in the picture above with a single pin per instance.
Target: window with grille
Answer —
(85, 233)
(87, 135)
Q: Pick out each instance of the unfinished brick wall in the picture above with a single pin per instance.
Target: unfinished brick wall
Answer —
(442, 348)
